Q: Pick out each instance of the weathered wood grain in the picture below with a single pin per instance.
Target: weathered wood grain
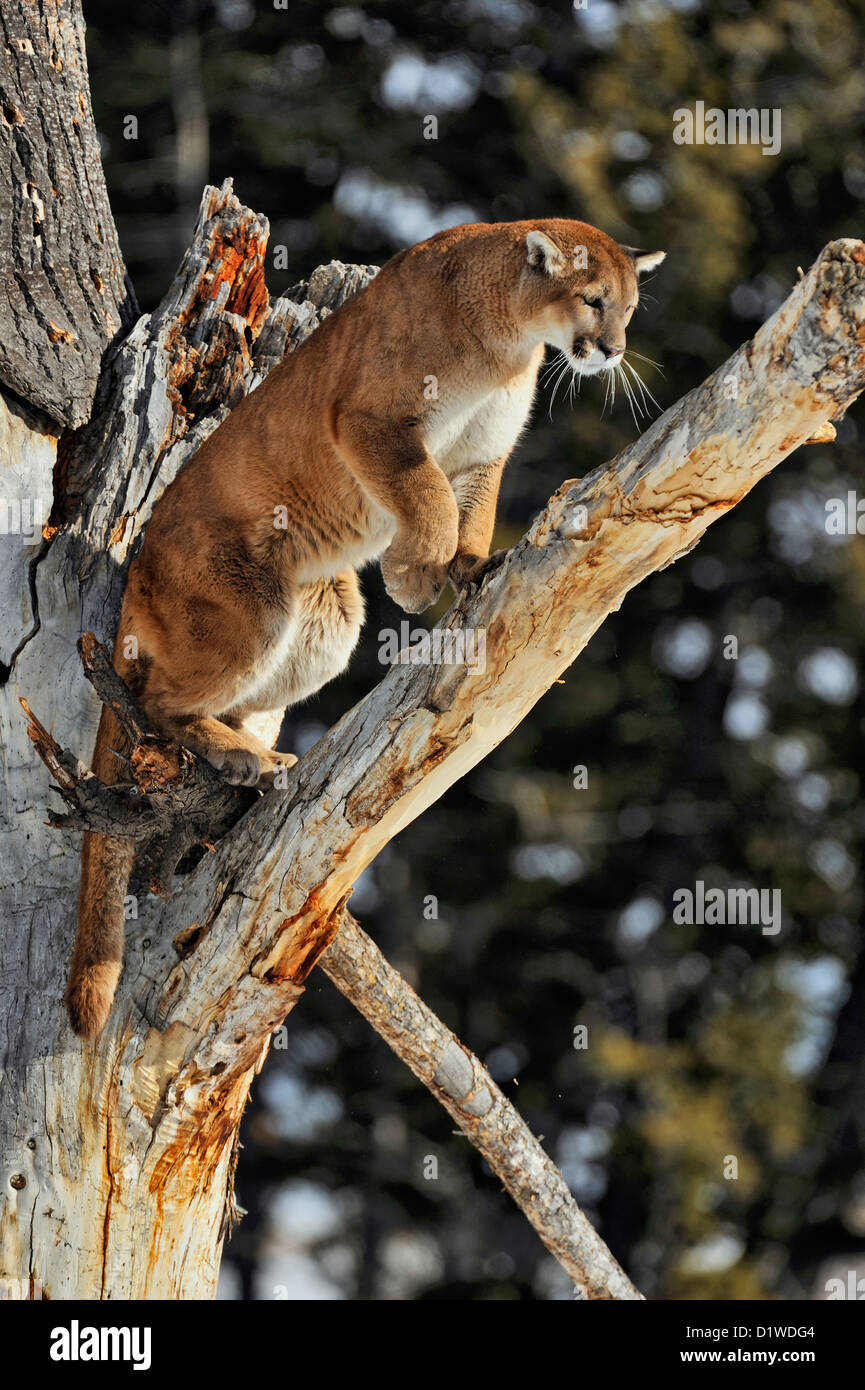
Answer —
(64, 292)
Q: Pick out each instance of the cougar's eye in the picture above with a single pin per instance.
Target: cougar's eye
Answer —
(591, 302)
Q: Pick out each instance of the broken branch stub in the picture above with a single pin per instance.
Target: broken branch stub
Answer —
(174, 802)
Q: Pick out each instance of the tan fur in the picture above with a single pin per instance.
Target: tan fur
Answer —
(383, 437)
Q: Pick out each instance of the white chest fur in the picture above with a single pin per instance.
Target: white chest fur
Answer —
(465, 428)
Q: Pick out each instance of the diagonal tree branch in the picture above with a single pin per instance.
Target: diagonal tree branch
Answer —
(464, 1087)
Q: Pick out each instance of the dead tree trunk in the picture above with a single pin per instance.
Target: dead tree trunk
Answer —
(116, 1158)
(70, 1224)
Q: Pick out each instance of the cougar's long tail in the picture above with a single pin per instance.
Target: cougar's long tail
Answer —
(106, 864)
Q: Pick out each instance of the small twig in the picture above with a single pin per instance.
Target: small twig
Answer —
(113, 690)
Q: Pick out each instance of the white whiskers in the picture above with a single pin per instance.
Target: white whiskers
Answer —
(561, 362)
(643, 389)
(638, 395)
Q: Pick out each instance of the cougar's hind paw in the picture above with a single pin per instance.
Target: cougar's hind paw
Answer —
(240, 767)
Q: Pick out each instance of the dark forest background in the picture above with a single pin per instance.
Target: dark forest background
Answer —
(554, 901)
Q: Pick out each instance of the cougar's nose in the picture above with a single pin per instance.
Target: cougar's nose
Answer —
(610, 352)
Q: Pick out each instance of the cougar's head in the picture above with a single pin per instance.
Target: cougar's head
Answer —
(582, 289)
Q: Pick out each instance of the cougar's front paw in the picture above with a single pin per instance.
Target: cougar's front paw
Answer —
(240, 767)
(270, 769)
(462, 568)
(470, 569)
(414, 586)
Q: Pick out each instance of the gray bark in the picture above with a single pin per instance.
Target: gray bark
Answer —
(64, 294)
(467, 1091)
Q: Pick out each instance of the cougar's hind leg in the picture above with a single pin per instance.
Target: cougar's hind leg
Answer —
(260, 728)
(232, 751)
(195, 685)
(329, 619)
(206, 707)
(263, 728)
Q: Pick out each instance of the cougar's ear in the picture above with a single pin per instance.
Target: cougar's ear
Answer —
(543, 254)
(644, 260)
